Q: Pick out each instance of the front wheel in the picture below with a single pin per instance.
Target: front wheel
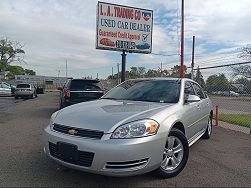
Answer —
(175, 155)
(209, 129)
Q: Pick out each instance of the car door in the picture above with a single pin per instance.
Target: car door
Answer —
(1, 90)
(5, 90)
(192, 112)
(203, 107)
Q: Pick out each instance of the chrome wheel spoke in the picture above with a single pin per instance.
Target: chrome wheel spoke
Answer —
(178, 148)
(165, 162)
(176, 161)
(173, 161)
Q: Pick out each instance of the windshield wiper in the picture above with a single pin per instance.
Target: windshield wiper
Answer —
(109, 98)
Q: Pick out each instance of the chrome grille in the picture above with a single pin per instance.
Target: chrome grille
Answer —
(79, 132)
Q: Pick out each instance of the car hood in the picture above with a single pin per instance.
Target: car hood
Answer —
(105, 115)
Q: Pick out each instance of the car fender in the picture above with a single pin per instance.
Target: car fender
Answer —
(168, 123)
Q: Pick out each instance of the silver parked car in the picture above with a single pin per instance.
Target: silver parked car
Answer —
(5, 90)
(25, 90)
(139, 126)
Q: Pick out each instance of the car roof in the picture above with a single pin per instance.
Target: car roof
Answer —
(79, 79)
(163, 78)
(24, 83)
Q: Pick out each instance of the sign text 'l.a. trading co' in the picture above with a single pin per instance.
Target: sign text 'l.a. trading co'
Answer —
(124, 28)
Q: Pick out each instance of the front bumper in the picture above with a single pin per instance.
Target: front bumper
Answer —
(113, 157)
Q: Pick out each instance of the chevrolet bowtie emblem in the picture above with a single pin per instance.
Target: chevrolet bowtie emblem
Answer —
(72, 132)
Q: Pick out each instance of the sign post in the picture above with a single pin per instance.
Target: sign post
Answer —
(123, 28)
(123, 66)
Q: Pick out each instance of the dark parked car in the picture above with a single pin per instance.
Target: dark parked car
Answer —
(80, 90)
(40, 90)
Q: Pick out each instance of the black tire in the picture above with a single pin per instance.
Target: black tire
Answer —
(209, 129)
(32, 96)
(61, 105)
(168, 173)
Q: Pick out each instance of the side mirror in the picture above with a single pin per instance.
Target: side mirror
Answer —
(60, 88)
(192, 98)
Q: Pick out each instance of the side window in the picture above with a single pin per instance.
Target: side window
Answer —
(67, 84)
(5, 86)
(199, 91)
(189, 89)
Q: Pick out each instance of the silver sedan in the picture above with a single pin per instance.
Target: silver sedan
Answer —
(139, 126)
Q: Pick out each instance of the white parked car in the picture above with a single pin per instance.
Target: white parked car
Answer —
(25, 90)
(230, 93)
(139, 126)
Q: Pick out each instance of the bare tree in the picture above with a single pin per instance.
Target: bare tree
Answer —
(11, 51)
(245, 52)
(243, 70)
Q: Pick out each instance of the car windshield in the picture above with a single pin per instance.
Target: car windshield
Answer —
(163, 91)
(85, 85)
(23, 86)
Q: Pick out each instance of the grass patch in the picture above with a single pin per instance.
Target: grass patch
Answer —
(237, 119)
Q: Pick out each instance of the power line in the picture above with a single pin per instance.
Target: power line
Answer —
(226, 65)
(165, 54)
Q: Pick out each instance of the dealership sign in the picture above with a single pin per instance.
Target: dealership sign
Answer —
(124, 28)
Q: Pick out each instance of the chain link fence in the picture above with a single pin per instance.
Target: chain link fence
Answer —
(229, 88)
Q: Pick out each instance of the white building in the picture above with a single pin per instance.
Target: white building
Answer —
(41, 80)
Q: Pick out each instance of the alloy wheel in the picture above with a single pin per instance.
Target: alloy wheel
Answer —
(173, 154)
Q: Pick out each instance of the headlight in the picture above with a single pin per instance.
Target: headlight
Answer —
(53, 117)
(136, 129)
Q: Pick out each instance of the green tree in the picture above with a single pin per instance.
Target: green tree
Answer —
(152, 73)
(29, 72)
(199, 78)
(10, 52)
(217, 83)
(245, 82)
(176, 72)
(14, 70)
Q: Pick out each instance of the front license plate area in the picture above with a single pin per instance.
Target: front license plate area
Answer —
(67, 152)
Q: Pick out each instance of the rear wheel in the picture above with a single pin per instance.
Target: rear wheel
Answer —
(209, 129)
(175, 155)
(32, 96)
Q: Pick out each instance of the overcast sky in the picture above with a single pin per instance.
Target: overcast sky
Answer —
(54, 31)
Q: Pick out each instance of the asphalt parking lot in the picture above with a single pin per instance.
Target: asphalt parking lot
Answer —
(222, 161)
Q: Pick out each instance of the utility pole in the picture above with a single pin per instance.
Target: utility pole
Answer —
(123, 66)
(161, 73)
(118, 73)
(97, 75)
(182, 41)
(66, 68)
(192, 65)
(112, 72)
